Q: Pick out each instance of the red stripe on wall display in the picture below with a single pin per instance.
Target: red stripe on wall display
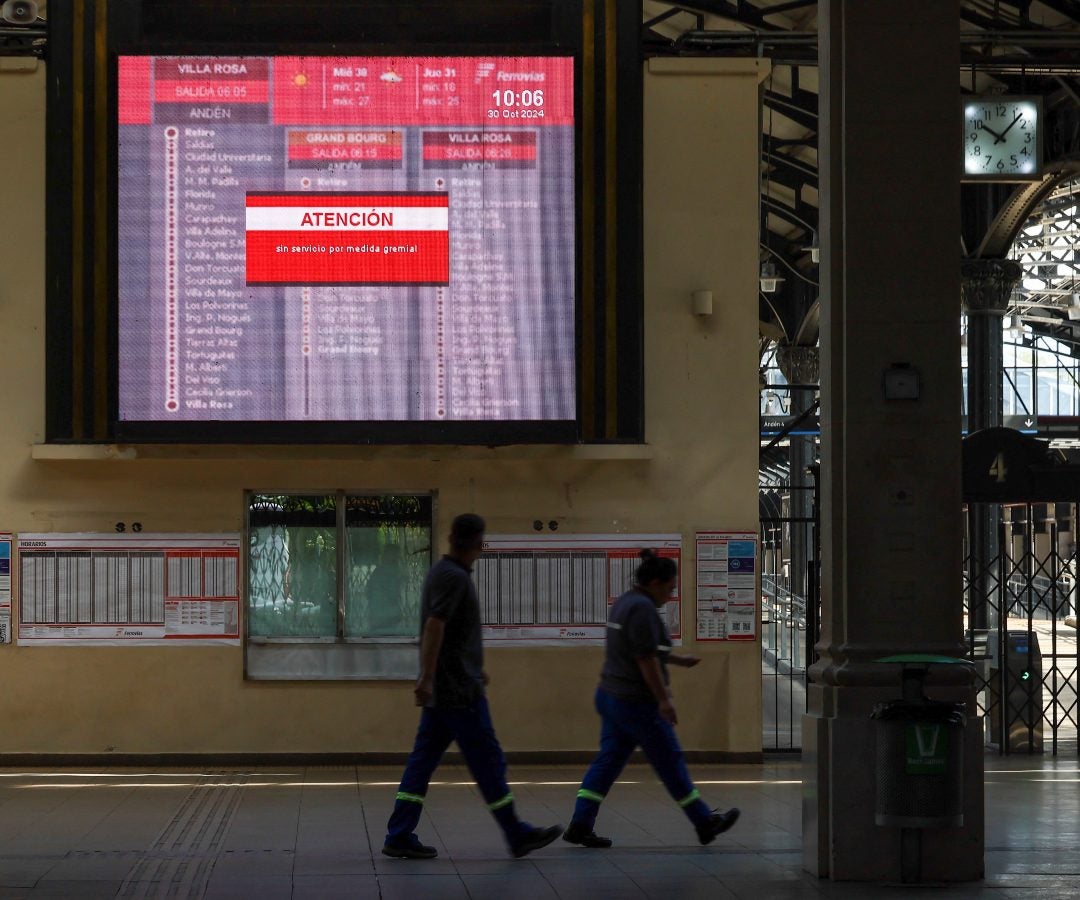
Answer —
(309, 198)
(133, 91)
(478, 152)
(346, 152)
(348, 257)
(210, 91)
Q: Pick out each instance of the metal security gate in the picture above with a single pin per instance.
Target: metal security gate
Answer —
(1020, 572)
(789, 610)
(1020, 606)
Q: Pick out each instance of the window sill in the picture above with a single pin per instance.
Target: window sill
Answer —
(314, 661)
(271, 452)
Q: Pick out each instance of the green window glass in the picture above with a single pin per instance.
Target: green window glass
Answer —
(387, 555)
(337, 566)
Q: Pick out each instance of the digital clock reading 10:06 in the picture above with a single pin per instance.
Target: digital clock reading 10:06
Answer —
(1001, 138)
(527, 99)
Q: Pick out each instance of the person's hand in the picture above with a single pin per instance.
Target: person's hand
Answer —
(484, 677)
(667, 712)
(424, 690)
(688, 662)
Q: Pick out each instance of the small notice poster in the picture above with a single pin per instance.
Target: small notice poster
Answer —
(5, 587)
(129, 589)
(727, 585)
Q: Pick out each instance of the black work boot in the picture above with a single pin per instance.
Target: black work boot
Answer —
(577, 833)
(717, 823)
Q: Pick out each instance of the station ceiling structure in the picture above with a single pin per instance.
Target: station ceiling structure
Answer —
(1029, 47)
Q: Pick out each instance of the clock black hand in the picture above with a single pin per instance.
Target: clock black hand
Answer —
(998, 138)
(1019, 116)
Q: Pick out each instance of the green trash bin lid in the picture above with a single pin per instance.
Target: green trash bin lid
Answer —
(922, 658)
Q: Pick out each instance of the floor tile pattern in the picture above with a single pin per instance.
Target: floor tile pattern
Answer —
(314, 834)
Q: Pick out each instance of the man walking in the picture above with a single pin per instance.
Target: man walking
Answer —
(451, 691)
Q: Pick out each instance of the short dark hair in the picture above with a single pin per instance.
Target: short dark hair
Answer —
(467, 531)
(654, 568)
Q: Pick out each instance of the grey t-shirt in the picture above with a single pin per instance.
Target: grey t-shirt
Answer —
(634, 629)
(449, 594)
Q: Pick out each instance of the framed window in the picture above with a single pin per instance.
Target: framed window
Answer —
(333, 583)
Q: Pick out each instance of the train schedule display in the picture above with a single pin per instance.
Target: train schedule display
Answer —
(345, 239)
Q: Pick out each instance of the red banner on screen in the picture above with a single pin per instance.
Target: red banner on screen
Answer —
(302, 238)
(369, 91)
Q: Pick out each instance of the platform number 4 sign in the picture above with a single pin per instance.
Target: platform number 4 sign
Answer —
(998, 470)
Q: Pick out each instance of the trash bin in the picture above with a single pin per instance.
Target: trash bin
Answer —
(920, 753)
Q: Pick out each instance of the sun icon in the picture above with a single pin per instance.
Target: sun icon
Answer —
(300, 79)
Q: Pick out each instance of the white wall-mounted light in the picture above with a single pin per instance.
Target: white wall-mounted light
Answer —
(768, 279)
(701, 303)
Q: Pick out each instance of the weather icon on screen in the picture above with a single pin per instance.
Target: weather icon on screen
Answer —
(390, 76)
(300, 79)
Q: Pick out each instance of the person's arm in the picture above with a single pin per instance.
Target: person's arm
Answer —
(430, 645)
(679, 659)
(654, 678)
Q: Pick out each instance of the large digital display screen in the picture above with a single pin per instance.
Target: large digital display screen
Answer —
(345, 239)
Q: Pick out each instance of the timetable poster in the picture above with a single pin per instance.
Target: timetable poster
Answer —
(5, 587)
(726, 585)
(346, 239)
(548, 589)
(129, 589)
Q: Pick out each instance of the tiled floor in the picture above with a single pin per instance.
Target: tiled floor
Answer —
(316, 832)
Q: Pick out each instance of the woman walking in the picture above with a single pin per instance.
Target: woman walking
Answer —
(636, 708)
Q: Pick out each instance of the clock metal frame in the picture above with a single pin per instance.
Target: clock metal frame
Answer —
(1008, 175)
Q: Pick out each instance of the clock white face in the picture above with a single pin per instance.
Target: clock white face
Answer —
(1001, 137)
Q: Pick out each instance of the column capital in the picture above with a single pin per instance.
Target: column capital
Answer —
(799, 364)
(986, 284)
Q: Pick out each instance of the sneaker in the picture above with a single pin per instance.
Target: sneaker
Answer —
(585, 837)
(534, 839)
(717, 823)
(409, 848)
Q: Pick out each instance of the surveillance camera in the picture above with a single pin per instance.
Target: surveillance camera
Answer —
(19, 12)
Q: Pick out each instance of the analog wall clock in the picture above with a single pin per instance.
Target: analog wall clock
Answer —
(1002, 138)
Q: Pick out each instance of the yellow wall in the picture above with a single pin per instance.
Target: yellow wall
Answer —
(698, 473)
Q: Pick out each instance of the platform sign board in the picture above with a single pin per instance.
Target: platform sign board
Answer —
(727, 608)
(557, 589)
(128, 589)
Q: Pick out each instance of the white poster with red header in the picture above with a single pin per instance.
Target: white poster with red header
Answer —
(305, 238)
(727, 592)
(128, 589)
(5, 587)
(556, 589)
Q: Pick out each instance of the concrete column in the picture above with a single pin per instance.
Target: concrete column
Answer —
(801, 365)
(890, 473)
(986, 285)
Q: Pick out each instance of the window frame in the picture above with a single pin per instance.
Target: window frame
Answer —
(341, 656)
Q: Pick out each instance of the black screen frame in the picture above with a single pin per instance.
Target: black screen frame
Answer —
(385, 432)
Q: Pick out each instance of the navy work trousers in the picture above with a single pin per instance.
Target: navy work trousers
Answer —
(625, 725)
(471, 728)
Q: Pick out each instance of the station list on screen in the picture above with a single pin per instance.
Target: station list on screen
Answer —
(353, 239)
